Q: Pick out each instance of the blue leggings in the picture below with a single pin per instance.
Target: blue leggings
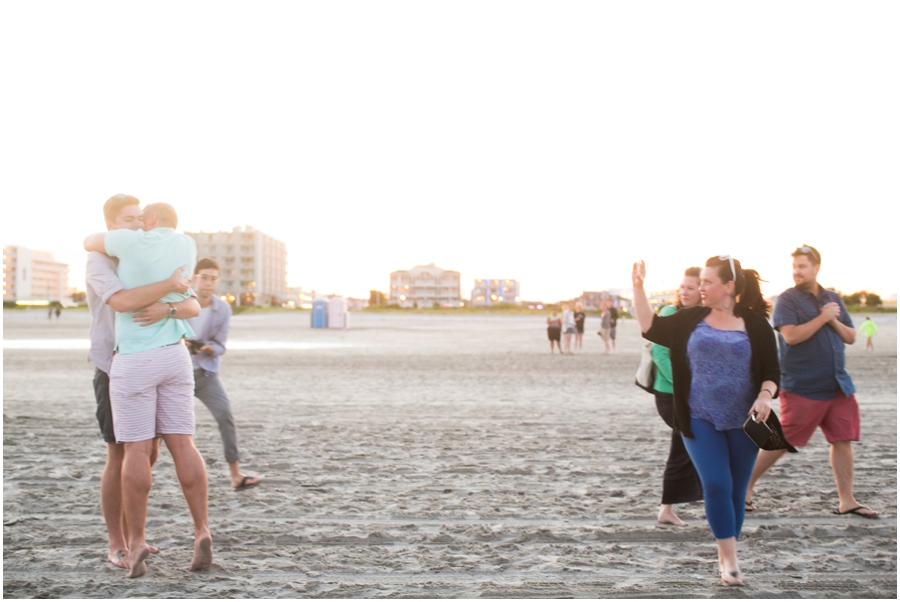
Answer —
(724, 460)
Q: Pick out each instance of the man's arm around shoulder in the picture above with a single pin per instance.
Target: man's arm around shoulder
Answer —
(114, 242)
(96, 242)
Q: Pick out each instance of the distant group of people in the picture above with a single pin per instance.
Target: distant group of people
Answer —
(562, 328)
(718, 363)
(144, 310)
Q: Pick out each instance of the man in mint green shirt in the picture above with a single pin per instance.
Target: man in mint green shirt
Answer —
(143, 256)
(152, 381)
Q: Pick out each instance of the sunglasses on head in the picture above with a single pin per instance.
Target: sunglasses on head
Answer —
(807, 250)
(730, 263)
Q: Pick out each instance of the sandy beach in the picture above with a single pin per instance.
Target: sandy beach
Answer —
(427, 456)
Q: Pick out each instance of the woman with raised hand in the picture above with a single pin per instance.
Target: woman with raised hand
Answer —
(681, 484)
(724, 368)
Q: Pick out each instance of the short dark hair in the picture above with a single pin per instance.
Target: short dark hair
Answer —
(813, 253)
(114, 205)
(207, 263)
(164, 212)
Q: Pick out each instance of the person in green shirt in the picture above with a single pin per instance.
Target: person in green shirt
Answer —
(681, 484)
(868, 329)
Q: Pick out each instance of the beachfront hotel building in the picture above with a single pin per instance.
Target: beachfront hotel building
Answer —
(425, 286)
(253, 265)
(661, 298)
(489, 291)
(621, 299)
(30, 275)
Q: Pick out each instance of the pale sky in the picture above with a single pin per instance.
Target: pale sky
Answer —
(553, 143)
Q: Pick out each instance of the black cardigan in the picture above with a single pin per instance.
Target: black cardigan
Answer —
(675, 330)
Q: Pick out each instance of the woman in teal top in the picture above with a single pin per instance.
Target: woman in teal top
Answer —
(681, 484)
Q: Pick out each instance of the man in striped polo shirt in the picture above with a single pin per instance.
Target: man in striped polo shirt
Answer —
(152, 381)
(105, 296)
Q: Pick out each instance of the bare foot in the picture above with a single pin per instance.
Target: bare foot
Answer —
(731, 577)
(136, 560)
(118, 558)
(667, 517)
(202, 553)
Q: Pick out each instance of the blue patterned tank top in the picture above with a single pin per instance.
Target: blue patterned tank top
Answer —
(722, 389)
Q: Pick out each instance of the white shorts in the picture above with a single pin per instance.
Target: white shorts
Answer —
(152, 393)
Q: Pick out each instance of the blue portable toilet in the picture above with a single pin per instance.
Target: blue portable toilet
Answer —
(320, 313)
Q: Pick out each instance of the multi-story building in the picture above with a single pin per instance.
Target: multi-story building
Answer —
(591, 300)
(660, 298)
(493, 291)
(253, 265)
(30, 275)
(425, 285)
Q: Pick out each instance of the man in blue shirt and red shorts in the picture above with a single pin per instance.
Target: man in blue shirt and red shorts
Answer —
(816, 390)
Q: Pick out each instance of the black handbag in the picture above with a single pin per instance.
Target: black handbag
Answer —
(767, 435)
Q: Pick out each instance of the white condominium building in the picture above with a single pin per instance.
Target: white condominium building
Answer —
(253, 265)
(493, 291)
(30, 275)
(425, 286)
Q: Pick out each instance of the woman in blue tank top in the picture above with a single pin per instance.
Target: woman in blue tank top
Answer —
(724, 368)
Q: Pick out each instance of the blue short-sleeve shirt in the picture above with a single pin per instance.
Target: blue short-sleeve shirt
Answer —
(814, 368)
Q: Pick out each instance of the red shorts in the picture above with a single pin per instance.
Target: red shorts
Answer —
(838, 417)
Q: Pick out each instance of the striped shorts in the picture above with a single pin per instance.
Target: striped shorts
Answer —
(152, 393)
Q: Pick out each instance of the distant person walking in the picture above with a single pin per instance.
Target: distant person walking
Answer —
(613, 320)
(681, 483)
(554, 328)
(106, 295)
(568, 327)
(605, 321)
(868, 330)
(58, 312)
(724, 368)
(579, 325)
(207, 348)
(813, 327)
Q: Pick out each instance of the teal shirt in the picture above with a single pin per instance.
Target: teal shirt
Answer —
(660, 355)
(145, 258)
